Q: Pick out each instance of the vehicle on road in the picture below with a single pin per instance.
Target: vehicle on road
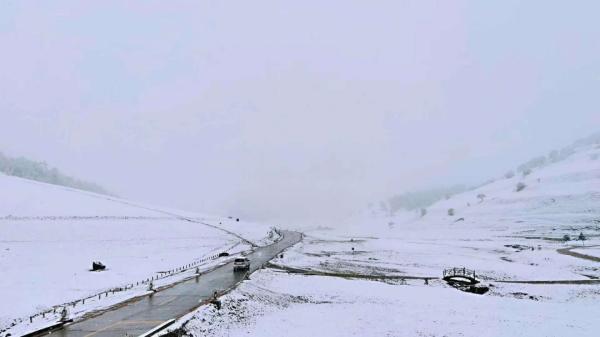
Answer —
(241, 263)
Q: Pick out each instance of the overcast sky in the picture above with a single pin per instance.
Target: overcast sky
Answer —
(296, 110)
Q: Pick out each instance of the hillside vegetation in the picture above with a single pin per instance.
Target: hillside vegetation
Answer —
(40, 171)
(423, 199)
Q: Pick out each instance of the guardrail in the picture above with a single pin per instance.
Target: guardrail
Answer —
(58, 309)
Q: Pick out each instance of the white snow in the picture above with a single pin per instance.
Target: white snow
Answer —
(592, 251)
(275, 304)
(509, 236)
(50, 235)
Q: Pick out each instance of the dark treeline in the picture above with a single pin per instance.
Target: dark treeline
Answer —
(40, 171)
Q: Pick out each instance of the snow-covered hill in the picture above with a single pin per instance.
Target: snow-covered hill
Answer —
(50, 235)
(562, 196)
(23, 197)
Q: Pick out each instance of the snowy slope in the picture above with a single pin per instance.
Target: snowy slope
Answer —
(50, 235)
(509, 236)
(560, 198)
(22, 197)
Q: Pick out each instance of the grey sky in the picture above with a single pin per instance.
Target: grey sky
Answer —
(293, 110)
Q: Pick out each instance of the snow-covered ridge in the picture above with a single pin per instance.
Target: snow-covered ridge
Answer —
(23, 197)
(417, 200)
(563, 193)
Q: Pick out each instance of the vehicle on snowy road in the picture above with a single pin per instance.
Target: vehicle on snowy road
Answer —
(241, 263)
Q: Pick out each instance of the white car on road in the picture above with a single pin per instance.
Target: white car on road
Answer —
(241, 263)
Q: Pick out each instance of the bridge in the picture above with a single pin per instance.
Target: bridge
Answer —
(460, 275)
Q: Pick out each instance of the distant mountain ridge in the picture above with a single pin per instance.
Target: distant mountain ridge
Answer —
(40, 171)
(422, 199)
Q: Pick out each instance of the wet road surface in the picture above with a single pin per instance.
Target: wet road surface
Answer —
(141, 315)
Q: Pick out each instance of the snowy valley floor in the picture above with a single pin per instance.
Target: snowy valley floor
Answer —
(277, 303)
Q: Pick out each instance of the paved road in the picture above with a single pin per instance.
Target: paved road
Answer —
(304, 271)
(554, 282)
(147, 312)
(568, 251)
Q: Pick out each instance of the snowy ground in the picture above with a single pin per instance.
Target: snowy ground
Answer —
(592, 251)
(495, 258)
(50, 235)
(506, 235)
(48, 262)
(276, 304)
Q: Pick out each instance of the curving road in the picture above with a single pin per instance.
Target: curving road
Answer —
(569, 251)
(143, 314)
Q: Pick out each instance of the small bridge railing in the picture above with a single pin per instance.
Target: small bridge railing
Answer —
(460, 272)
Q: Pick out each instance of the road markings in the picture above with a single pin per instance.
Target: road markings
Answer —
(142, 322)
(158, 328)
(119, 323)
(105, 328)
(168, 301)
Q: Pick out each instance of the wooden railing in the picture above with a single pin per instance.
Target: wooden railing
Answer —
(460, 272)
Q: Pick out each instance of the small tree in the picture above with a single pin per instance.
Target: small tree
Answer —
(521, 186)
(423, 212)
(566, 238)
(509, 174)
(451, 211)
(480, 196)
(526, 172)
(582, 238)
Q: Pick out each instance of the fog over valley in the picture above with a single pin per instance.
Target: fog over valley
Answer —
(304, 115)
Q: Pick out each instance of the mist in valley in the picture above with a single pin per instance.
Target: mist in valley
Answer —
(293, 113)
